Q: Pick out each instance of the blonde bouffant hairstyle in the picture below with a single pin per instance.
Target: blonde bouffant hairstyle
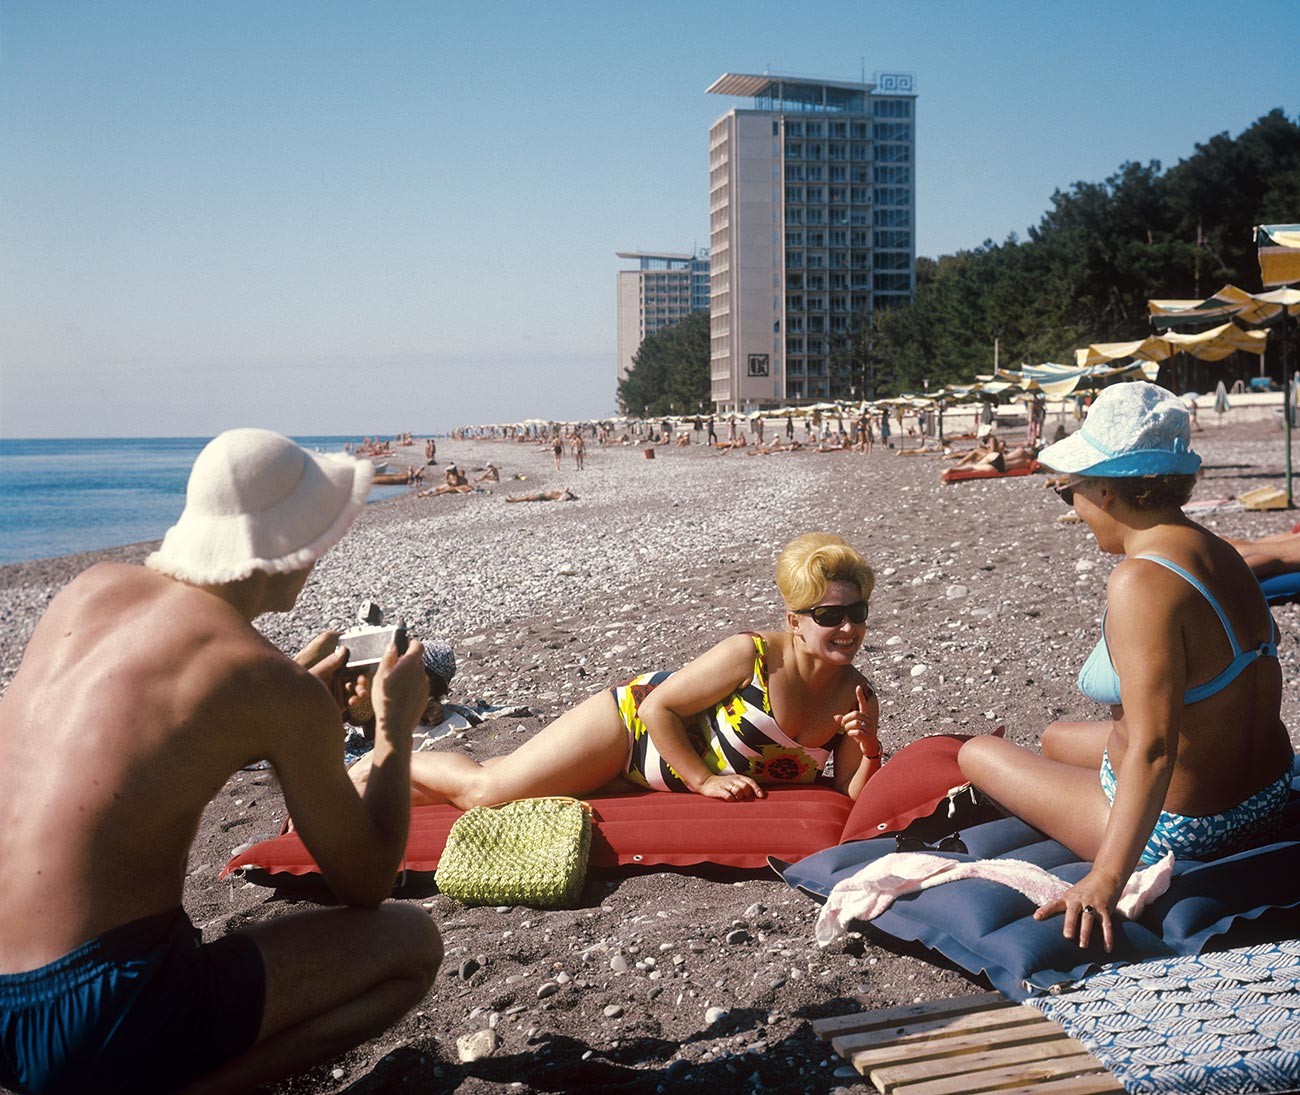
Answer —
(812, 561)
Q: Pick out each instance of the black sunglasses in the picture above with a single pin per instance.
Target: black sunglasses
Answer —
(952, 843)
(1066, 493)
(833, 615)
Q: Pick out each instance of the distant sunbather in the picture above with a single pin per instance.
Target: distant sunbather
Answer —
(565, 495)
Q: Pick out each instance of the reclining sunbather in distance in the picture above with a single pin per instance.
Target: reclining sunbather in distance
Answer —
(565, 495)
(1270, 555)
(142, 690)
(1194, 758)
(758, 708)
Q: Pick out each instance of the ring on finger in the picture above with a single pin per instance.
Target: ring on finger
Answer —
(1088, 910)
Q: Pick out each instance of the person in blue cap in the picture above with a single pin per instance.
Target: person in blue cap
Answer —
(1193, 758)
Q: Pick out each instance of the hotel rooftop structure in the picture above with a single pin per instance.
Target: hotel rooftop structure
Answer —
(664, 289)
(812, 195)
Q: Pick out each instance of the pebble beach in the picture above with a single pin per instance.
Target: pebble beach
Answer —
(986, 605)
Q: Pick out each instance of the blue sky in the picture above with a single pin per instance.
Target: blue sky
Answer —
(341, 217)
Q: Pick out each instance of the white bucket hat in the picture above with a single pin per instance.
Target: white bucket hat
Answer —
(1132, 429)
(258, 502)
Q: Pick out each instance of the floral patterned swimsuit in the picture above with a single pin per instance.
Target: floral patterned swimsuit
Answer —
(738, 736)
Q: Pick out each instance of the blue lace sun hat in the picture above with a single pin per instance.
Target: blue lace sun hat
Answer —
(1132, 429)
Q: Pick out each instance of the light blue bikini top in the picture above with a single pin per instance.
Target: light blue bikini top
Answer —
(1099, 681)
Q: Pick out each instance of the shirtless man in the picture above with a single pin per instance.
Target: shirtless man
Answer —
(142, 690)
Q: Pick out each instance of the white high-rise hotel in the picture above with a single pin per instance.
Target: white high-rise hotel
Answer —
(812, 193)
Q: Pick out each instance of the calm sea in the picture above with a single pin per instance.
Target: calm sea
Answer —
(61, 496)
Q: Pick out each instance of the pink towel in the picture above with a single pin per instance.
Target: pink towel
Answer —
(872, 890)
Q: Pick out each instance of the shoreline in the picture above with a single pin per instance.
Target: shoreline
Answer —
(985, 607)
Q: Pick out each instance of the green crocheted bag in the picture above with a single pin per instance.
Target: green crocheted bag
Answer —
(530, 852)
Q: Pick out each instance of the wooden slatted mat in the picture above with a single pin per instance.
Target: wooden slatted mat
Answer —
(965, 1045)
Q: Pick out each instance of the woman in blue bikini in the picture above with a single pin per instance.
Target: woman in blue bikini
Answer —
(756, 709)
(1194, 758)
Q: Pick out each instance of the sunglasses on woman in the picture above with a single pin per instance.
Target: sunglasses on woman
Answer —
(1066, 493)
(833, 615)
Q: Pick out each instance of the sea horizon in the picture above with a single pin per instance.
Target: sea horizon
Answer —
(67, 495)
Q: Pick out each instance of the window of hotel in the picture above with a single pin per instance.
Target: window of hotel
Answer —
(894, 238)
(893, 174)
(893, 195)
(814, 150)
(794, 345)
(860, 150)
(839, 325)
(839, 194)
(816, 261)
(816, 281)
(817, 239)
(816, 173)
(893, 131)
(816, 304)
(793, 215)
(816, 216)
(793, 150)
(794, 324)
(898, 282)
(794, 129)
(794, 173)
(860, 239)
(893, 153)
(793, 260)
(839, 129)
(795, 389)
(860, 131)
(891, 108)
(892, 218)
(839, 281)
(794, 239)
(839, 303)
(893, 260)
(794, 281)
(837, 150)
(794, 194)
(861, 175)
(839, 173)
(794, 302)
(817, 324)
(816, 194)
(839, 237)
(816, 129)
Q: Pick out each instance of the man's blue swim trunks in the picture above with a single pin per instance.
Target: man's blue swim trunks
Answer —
(145, 1007)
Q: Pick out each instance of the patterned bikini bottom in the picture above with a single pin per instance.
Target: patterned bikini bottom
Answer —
(1212, 835)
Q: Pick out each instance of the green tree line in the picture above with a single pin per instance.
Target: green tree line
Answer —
(670, 372)
(1088, 268)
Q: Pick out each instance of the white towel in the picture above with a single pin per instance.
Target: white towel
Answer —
(872, 890)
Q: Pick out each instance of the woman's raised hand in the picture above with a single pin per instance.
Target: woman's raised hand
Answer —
(860, 725)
